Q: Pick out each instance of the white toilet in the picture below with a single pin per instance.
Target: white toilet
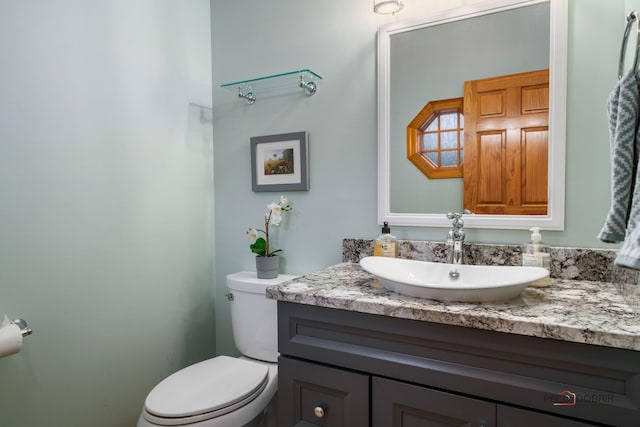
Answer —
(227, 391)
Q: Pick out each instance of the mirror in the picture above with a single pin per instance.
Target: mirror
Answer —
(400, 45)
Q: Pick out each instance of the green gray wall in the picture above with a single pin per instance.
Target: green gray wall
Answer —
(106, 196)
(337, 39)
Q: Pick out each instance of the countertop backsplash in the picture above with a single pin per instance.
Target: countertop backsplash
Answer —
(566, 263)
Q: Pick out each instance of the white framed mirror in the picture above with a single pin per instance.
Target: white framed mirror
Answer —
(389, 132)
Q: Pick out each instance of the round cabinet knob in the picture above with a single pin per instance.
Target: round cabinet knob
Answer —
(319, 411)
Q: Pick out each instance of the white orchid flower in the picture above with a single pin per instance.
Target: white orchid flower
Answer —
(273, 216)
(252, 233)
(274, 208)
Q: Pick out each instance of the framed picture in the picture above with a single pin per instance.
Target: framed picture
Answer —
(280, 162)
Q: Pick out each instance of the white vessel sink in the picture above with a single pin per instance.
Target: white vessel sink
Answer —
(475, 283)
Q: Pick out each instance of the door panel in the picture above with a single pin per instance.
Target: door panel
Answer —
(515, 417)
(397, 404)
(314, 394)
(490, 177)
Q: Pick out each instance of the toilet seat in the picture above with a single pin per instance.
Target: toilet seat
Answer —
(205, 390)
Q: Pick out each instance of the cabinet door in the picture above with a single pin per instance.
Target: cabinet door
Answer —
(516, 417)
(311, 394)
(396, 404)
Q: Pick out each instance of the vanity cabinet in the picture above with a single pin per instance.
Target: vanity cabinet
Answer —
(399, 404)
(350, 369)
(318, 395)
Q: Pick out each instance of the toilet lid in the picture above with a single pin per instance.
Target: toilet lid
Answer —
(207, 387)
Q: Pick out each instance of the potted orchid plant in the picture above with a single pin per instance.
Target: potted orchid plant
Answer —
(267, 261)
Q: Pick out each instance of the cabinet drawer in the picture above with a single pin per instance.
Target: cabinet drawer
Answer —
(311, 394)
(397, 404)
(516, 417)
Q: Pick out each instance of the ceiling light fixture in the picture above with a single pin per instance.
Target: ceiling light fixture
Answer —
(387, 7)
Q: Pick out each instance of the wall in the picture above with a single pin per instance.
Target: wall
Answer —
(106, 202)
(338, 40)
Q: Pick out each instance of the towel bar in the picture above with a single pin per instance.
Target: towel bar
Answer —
(633, 16)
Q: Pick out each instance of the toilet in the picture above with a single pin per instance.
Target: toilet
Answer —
(227, 391)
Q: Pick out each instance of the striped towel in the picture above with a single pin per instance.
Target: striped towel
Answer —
(622, 223)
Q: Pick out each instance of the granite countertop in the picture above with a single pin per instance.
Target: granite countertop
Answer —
(570, 310)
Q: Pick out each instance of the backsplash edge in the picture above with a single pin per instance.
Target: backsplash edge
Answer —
(566, 263)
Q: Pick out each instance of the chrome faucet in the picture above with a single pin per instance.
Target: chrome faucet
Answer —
(455, 238)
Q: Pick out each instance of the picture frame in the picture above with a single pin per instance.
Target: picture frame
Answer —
(280, 162)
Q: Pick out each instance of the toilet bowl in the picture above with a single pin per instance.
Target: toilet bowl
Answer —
(226, 391)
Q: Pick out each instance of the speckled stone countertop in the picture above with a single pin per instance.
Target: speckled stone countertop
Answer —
(582, 311)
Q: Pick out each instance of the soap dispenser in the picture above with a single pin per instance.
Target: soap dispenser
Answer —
(386, 244)
(537, 254)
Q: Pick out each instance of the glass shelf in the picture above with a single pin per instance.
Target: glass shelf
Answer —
(300, 79)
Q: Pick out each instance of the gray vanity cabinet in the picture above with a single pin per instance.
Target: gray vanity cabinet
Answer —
(311, 394)
(509, 416)
(361, 370)
(398, 404)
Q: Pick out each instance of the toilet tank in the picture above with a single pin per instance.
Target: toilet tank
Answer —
(253, 316)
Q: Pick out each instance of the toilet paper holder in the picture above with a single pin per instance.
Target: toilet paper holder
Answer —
(22, 324)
